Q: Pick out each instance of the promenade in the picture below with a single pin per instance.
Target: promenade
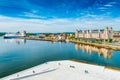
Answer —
(66, 70)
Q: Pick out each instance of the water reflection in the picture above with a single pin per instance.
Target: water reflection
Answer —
(18, 41)
(107, 53)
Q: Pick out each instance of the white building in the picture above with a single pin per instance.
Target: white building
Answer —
(106, 33)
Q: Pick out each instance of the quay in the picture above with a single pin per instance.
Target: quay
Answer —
(107, 46)
(42, 39)
(60, 70)
(97, 45)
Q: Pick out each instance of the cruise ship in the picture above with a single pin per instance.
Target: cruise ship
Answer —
(15, 35)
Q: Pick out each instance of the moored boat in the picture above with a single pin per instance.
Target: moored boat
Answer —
(15, 35)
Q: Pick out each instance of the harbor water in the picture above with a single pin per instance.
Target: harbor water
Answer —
(18, 54)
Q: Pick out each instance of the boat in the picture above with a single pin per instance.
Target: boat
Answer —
(15, 35)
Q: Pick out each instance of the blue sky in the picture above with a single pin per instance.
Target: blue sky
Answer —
(58, 15)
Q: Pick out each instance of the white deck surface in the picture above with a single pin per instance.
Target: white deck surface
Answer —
(66, 70)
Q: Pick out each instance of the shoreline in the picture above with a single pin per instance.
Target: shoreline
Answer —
(68, 67)
(97, 45)
(112, 47)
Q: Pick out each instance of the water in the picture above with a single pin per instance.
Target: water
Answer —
(17, 55)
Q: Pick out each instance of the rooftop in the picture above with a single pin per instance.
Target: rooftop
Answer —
(70, 70)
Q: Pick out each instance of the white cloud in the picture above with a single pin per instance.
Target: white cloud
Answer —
(9, 24)
(112, 2)
(35, 11)
(32, 15)
(90, 15)
(108, 5)
(102, 8)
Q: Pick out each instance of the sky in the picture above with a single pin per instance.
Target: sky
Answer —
(58, 15)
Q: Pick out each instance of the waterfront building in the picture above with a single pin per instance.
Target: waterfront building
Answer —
(24, 33)
(101, 34)
(42, 36)
(61, 37)
(116, 34)
(116, 37)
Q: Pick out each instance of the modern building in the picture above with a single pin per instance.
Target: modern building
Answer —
(101, 34)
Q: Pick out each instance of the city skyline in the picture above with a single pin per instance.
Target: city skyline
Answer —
(58, 15)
